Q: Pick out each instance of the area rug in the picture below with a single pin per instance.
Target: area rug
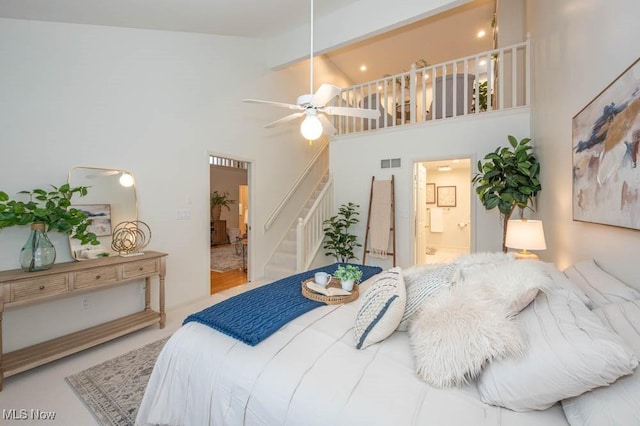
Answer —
(226, 257)
(113, 390)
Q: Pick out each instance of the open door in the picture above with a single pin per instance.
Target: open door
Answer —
(442, 210)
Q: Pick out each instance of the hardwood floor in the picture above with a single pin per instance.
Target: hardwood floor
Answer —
(224, 280)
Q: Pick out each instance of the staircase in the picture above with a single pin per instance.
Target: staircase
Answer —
(283, 262)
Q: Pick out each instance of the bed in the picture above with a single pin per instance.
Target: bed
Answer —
(309, 372)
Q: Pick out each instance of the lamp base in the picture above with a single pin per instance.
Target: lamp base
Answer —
(526, 255)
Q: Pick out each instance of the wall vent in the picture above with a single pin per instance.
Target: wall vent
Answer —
(390, 163)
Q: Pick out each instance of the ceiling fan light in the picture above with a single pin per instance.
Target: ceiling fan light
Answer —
(311, 128)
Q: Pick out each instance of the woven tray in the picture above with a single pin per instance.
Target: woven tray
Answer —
(329, 300)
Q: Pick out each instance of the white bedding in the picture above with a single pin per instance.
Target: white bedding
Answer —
(308, 373)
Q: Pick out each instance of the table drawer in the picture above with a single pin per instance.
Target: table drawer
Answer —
(141, 268)
(96, 277)
(38, 288)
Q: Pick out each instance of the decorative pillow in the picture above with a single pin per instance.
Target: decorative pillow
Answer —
(600, 286)
(617, 403)
(455, 332)
(422, 285)
(570, 352)
(466, 265)
(561, 281)
(515, 284)
(381, 309)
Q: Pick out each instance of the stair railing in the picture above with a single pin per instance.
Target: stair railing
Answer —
(276, 212)
(310, 229)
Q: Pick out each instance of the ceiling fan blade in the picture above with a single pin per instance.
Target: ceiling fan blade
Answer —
(327, 127)
(278, 104)
(285, 119)
(352, 112)
(324, 94)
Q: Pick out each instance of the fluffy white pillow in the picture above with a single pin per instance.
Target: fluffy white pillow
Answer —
(515, 284)
(381, 308)
(617, 403)
(423, 282)
(466, 265)
(600, 286)
(455, 332)
(570, 352)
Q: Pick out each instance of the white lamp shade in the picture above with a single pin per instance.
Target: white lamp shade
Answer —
(311, 128)
(525, 234)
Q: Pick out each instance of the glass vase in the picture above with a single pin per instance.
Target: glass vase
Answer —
(38, 253)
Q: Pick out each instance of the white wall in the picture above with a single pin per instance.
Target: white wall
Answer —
(578, 49)
(356, 158)
(154, 103)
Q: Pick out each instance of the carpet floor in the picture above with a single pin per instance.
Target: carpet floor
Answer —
(226, 257)
(113, 390)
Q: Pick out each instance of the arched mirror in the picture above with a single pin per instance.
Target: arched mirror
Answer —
(111, 199)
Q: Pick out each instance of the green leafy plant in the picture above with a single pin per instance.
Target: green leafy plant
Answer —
(218, 201)
(339, 242)
(348, 272)
(52, 208)
(507, 179)
(221, 199)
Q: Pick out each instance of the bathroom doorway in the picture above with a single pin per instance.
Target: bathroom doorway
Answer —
(442, 210)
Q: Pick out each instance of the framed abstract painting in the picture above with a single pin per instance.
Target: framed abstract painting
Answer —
(605, 139)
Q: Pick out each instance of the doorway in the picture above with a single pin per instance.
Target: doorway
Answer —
(229, 232)
(442, 210)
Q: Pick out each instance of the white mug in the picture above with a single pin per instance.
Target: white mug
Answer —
(322, 278)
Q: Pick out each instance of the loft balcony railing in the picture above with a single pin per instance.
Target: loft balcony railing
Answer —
(495, 80)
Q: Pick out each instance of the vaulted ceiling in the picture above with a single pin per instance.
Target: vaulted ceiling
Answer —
(448, 35)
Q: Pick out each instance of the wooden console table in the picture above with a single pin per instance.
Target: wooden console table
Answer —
(18, 288)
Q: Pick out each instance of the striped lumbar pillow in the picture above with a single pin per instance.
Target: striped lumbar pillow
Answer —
(381, 309)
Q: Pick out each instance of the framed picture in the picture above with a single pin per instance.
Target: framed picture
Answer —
(605, 139)
(431, 193)
(446, 196)
(100, 214)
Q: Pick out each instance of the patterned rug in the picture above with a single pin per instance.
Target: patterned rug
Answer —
(113, 390)
(226, 257)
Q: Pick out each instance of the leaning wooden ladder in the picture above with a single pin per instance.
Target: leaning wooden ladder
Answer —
(392, 225)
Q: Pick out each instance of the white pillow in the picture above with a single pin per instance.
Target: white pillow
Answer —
(569, 352)
(455, 332)
(515, 284)
(560, 280)
(422, 282)
(468, 264)
(617, 403)
(600, 286)
(381, 308)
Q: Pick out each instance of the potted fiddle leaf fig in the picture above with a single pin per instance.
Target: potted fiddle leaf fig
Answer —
(339, 242)
(45, 211)
(508, 178)
(218, 201)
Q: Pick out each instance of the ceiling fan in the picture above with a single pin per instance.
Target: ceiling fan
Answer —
(313, 106)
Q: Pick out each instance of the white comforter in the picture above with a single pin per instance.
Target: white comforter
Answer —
(308, 373)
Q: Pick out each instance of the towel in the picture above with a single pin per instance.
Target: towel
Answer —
(437, 224)
(380, 219)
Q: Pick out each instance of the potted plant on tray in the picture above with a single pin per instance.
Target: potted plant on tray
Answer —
(46, 211)
(348, 275)
(219, 200)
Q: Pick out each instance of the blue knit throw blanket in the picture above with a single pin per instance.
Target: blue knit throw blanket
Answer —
(256, 314)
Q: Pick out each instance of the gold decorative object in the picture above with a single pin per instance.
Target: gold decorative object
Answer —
(130, 237)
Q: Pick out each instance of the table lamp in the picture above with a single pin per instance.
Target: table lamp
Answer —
(525, 235)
